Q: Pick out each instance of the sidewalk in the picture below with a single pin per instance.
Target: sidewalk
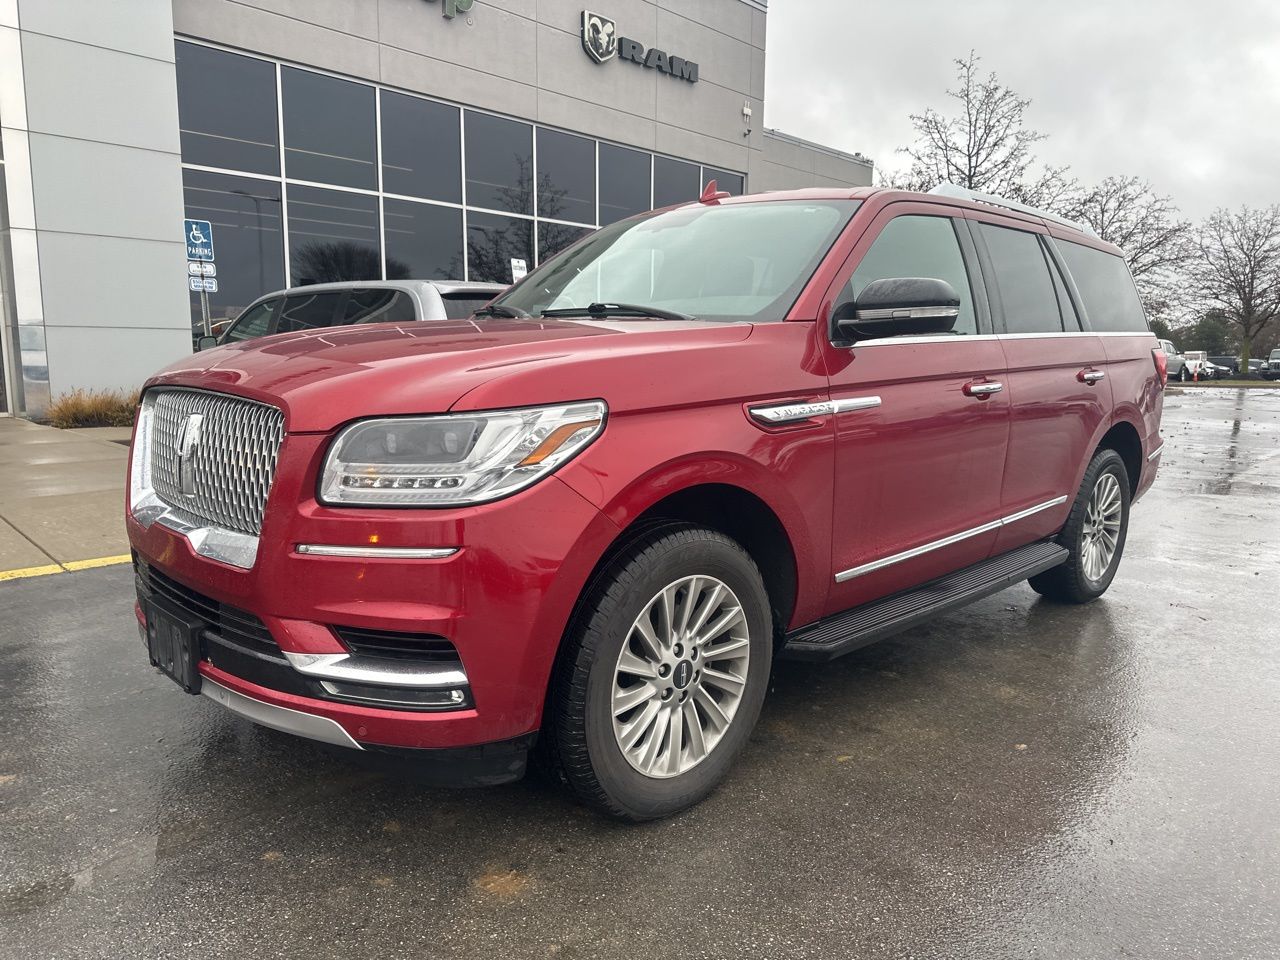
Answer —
(61, 495)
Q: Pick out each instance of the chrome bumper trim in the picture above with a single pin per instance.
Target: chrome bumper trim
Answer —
(1155, 453)
(279, 718)
(228, 546)
(379, 671)
(377, 553)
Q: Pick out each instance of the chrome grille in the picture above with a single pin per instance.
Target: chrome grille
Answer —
(232, 466)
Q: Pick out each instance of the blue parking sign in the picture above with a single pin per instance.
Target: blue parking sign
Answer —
(199, 239)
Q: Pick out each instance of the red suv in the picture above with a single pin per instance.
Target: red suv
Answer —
(591, 516)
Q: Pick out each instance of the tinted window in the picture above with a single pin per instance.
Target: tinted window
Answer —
(1070, 319)
(333, 236)
(459, 308)
(307, 311)
(1022, 276)
(328, 129)
(227, 110)
(554, 237)
(421, 153)
(378, 306)
(1105, 286)
(624, 183)
(499, 163)
(423, 241)
(254, 322)
(918, 247)
(493, 242)
(675, 181)
(566, 177)
(248, 241)
(732, 182)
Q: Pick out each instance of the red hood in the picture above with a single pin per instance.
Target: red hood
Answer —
(324, 378)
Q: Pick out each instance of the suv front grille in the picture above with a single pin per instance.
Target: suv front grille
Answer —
(232, 624)
(231, 467)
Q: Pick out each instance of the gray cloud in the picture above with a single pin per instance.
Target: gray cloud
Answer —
(1185, 93)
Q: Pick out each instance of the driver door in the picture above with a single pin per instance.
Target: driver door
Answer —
(919, 451)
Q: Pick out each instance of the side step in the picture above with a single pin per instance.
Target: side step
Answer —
(874, 621)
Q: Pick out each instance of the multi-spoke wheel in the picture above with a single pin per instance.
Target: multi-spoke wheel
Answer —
(1094, 534)
(663, 679)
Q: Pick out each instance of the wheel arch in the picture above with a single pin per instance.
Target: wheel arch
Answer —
(1123, 437)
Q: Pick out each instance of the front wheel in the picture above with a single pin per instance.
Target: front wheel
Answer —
(1094, 534)
(1183, 376)
(665, 674)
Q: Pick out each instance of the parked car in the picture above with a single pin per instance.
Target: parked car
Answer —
(1196, 366)
(1271, 367)
(1174, 360)
(342, 304)
(783, 425)
(1218, 371)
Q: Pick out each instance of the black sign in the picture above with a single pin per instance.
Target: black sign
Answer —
(601, 41)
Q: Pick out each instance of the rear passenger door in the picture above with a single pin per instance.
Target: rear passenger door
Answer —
(1056, 378)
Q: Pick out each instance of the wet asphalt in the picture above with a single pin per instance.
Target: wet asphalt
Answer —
(1016, 780)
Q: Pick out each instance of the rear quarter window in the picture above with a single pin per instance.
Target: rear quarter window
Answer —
(1106, 287)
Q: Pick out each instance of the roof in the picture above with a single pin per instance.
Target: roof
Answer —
(443, 287)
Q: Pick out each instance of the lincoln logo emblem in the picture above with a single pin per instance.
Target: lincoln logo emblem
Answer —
(599, 36)
(188, 441)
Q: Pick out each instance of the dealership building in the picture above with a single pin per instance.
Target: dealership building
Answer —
(317, 140)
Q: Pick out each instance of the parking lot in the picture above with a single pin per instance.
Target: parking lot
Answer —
(1016, 780)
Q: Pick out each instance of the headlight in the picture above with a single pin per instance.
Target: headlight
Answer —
(454, 459)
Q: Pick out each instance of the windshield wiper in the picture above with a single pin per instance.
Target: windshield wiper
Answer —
(617, 310)
(500, 310)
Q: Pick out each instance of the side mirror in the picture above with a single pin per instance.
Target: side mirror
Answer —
(205, 343)
(897, 306)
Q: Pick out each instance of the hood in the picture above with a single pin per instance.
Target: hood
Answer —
(323, 378)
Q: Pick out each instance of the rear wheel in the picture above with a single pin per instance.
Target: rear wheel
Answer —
(666, 672)
(1094, 534)
(1183, 376)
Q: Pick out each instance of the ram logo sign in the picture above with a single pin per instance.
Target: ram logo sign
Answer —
(601, 41)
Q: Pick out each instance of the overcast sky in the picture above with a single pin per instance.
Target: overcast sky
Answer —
(1185, 93)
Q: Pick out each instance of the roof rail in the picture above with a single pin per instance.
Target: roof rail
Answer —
(946, 189)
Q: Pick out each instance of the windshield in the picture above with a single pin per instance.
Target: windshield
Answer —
(741, 261)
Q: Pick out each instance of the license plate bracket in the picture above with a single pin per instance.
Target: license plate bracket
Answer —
(173, 642)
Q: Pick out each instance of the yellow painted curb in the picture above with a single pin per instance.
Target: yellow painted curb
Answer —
(68, 567)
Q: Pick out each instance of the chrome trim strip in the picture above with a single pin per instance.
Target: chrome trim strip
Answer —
(1155, 453)
(217, 543)
(791, 412)
(911, 554)
(377, 553)
(279, 718)
(856, 403)
(903, 313)
(975, 337)
(380, 671)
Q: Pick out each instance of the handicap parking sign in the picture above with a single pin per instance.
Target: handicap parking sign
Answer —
(199, 239)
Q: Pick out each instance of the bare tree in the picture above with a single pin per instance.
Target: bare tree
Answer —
(984, 146)
(1237, 270)
(1156, 241)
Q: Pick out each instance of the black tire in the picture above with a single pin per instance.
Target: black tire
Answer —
(578, 731)
(1183, 376)
(1068, 582)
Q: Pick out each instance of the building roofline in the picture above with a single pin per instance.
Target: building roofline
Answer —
(820, 148)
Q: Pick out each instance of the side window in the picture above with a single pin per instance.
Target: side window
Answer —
(306, 311)
(379, 306)
(1106, 287)
(254, 322)
(1070, 319)
(917, 246)
(1022, 276)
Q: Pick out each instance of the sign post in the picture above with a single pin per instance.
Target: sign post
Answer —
(200, 266)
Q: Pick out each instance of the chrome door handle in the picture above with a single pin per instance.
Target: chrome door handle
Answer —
(1090, 376)
(982, 389)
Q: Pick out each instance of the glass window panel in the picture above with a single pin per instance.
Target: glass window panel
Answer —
(499, 163)
(493, 242)
(421, 150)
(333, 236)
(624, 182)
(459, 308)
(227, 110)
(423, 241)
(1022, 276)
(554, 237)
(379, 305)
(247, 239)
(254, 322)
(1106, 287)
(566, 177)
(918, 247)
(328, 129)
(732, 182)
(307, 311)
(675, 181)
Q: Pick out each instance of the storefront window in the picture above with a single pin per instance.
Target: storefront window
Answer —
(566, 177)
(328, 130)
(731, 182)
(424, 241)
(227, 110)
(624, 183)
(554, 237)
(333, 235)
(499, 163)
(493, 242)
(675, 181)
(421, 156)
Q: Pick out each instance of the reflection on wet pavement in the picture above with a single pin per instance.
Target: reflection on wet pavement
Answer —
(1019, 779)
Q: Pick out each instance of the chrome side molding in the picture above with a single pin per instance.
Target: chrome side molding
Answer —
(379, 671)
(376, 553)
(793, 412)
(914, 552)
(1155, 453)
(279, 718)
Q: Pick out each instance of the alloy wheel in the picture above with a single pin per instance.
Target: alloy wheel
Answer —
(680, 676)
(1100, 534)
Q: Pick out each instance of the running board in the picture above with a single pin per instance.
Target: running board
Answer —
(839, 634)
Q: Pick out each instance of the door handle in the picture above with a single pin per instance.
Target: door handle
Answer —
(1091, 376)
(982, 389)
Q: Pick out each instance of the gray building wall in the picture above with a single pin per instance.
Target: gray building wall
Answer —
(90, 127)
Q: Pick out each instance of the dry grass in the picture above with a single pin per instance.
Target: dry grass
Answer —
(94, 408)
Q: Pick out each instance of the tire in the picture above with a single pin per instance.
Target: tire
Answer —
(586, 737)
(1082, 577)
(1183, 377)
